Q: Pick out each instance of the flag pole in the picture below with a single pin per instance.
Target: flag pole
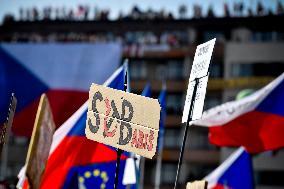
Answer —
(141, 176)
(186, 130)
(119, 151)
(158, 167)
(161, 146)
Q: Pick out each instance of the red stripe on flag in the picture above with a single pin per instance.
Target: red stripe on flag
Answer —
(24, 120)
(219, 186)
(73, 151)
(256, 131)
(63, 104)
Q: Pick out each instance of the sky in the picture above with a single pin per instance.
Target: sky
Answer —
(115, 6)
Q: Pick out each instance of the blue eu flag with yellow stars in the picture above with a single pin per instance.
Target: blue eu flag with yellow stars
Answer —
(99, 176)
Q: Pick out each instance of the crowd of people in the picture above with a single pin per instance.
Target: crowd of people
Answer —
(85, 12)
(239, 10)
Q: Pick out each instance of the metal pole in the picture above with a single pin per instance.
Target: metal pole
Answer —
(159, 166)
(119, 151)
(141, 177)
(186, 131)
(4, 159)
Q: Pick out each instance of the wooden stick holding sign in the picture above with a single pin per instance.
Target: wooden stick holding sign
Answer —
(196, 91)
(4, 134)
(123, 120)
(5, 129)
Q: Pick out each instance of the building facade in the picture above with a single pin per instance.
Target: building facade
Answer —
(248, 54)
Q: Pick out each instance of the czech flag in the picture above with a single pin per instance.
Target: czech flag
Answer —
(234, 173)
(62, 71)
(71, 150)
(255, 122)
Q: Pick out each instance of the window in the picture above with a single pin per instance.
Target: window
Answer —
(241, 70)
(175, 70)
(174, 104)
(216, 70)
(138, 70)
(212, 101)
(208, 35)
(168, 173)
(257, 69)
(199, 139)
(161, 72)
(173, 138)
(266, 36)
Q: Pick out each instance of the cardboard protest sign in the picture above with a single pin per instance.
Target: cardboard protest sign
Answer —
(123, 120)
(199, 77)
(5, 129)
(202, 184)
(40, 144)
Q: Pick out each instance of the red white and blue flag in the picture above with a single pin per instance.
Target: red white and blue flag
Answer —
(234, 173)
(255, 122)
(71, 149)
(62, 71)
